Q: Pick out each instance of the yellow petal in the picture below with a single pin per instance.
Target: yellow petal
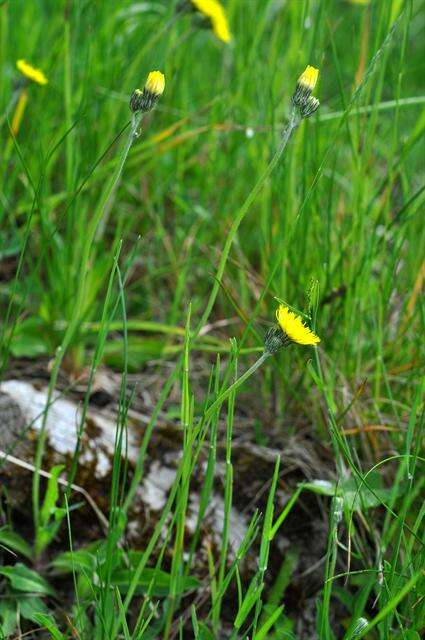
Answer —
(155, 83)
(309, 77)
(293, 326)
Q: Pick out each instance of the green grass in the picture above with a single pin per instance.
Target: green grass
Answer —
(119, 251)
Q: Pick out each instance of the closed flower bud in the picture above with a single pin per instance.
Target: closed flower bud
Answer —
(305, 86)
(309, 107)
(145, 100)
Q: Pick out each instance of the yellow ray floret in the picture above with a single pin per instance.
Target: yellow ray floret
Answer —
(213, 10)
(293, 326)
(30, 72)
(309, 77)
(155, 83)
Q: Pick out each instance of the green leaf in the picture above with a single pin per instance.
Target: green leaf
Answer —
(52, 494)
(8, 617)
(262, 633)
(47, 622)
(26, 580)
(13, 541)
(356, 494)
(28, 340)
(85, 586)
(78, 561)
(252, 595)
(205, 633)
(31, 606)
(161, 581)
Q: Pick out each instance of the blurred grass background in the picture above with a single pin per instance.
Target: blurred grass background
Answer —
(341, 215)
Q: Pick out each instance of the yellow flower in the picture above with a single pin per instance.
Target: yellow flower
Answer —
(33, 74)
(213, 10)
(155, 83)
(294, 328)
(308, 78)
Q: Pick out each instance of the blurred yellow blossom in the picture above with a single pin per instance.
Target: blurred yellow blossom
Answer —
(214, 11)
(30, 72)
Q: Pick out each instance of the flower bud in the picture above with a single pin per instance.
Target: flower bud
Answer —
(145, 100)
(309, 107)
(305, 86)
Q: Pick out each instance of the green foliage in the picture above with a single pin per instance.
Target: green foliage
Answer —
(122, 250)
(23, 579)
(355, 494)
(49, 512)
(90, 563)
(13, 541)
(22, 597)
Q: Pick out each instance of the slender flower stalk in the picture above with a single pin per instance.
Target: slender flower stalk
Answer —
(153, 88)
(248, 373)
(293, 123)
(141, 101)
(305, 85)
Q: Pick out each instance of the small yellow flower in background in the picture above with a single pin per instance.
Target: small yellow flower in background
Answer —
(309, 77)
(363, 2)
(30, 72)
(293, 326)
(214, 11)
(154, 88)
(34, 75)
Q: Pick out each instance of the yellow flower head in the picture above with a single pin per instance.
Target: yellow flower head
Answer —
(308, 78)
(155, 83)
(33, 74)
(213, 10)
(294, 328)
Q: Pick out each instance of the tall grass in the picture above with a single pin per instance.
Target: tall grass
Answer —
(122, 251)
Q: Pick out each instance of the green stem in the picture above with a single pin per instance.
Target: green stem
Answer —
(105, 201)
(248, 373)
(293, 123)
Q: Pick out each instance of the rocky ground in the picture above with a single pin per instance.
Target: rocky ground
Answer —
(302, 540)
